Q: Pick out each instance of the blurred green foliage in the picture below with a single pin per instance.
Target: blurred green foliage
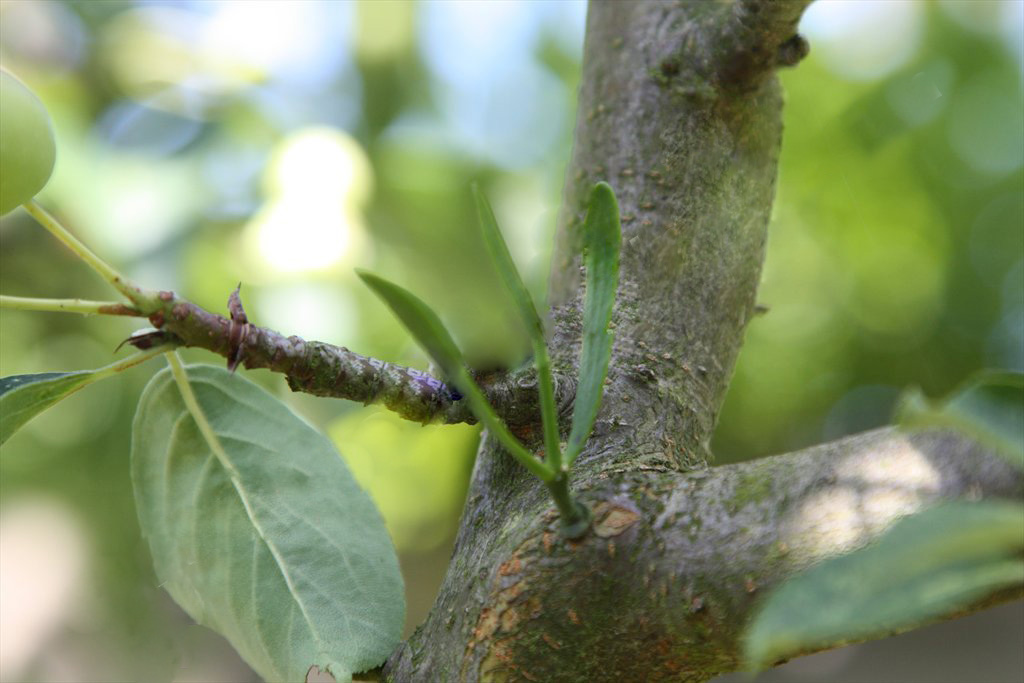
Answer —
(896, 253)
(203, 144)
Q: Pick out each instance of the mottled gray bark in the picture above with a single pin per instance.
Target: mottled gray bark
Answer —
(680, 111)
(333, 371)
(665, 584)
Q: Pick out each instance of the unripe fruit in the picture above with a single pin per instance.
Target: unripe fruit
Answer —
(27, 148)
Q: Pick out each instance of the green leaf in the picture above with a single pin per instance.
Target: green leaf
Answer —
(428, 330)
(506, 267)
(602, 238)
(989, 407)
(924, 567)
(260, 532)
(27, 148)
(22, 397)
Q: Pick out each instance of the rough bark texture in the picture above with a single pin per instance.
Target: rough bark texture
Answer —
(680, 111)
(324, 369)
(665, 584)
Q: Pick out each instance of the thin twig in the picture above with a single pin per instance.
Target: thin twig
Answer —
(81, 306)
(135, 294)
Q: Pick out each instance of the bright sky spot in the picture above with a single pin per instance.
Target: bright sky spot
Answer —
(296, 41)
(320, 161)
(864, 40)
(316, 183)
(310, 310)
(218, 47)
(500, 105)
(296, 236)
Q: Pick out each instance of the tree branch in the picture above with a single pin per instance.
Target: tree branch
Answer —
(665, 586)
(323, 369)
(680, 113)
(676, 118)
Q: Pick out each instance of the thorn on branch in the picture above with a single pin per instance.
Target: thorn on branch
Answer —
(238, 329)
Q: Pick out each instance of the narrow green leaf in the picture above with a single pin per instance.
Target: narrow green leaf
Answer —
(259, 531)
(602, 238)
(22, 397)
(989, 406)
(428, 330)
(924, 567)
(506, 267)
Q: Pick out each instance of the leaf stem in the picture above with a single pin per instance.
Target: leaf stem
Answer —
(548, 413)
(132, 361)
(105, 270)
(485, 413)
(194, 409)
(83, 306)
(428, 330)
(520, 295)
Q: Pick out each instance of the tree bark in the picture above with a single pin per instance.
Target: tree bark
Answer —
(665, 584)
(680, 111)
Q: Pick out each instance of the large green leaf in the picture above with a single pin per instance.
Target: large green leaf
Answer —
(602, 237)
(428, 330)
(989, 406)
(924, 567)
(270, 541)
(22, 397)
(506, 268)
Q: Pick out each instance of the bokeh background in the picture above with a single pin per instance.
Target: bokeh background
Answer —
(282, 144)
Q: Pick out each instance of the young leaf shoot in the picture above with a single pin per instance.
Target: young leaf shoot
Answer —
(602, 238)
(428, 330)
(506, 267)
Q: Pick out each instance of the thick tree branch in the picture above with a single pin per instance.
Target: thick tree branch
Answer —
(690, 145)
(665, 585)
(680, 112)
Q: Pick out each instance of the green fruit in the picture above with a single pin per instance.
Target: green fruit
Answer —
(27, 148)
